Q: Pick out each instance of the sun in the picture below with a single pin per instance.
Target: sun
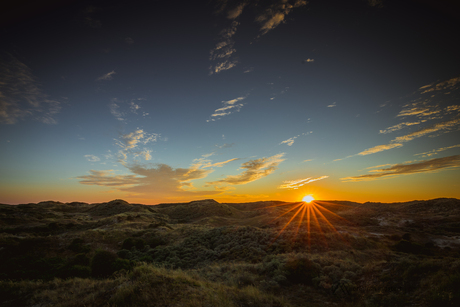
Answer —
(308, 199)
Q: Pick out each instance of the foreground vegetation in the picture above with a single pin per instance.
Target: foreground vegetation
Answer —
(205, 253)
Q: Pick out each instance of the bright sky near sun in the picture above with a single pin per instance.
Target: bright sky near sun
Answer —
(173, 101)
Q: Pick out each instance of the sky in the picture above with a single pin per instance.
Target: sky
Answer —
(234, 100)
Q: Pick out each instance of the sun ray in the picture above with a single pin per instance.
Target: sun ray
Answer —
(293, 208)
(329, 211)
(322, 215)
(308, 226)
(304, 207)
(287, 224)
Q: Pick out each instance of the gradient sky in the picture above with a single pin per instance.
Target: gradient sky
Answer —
(232, 100)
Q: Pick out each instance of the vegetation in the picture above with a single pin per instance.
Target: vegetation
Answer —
(208, 254)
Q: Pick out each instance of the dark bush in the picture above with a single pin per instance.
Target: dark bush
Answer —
(405, 246)
(102, 263)
(406, 236)
(301, 270)
(78, 246)
(122, 264)
(156, 241)
(128, 244)
(139, 244)
(124, 254)
(80, 259)
(81, 271)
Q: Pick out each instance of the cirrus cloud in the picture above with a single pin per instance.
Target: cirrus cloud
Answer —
(432, 165)
(295, 184)
(253, 170)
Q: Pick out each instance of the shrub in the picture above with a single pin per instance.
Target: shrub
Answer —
(405, 246)
(128, 244)
(81, 271)
(80, 259)
(78, 247)
(122, 264)
(124, 254)
(102, 263)
(301, 270)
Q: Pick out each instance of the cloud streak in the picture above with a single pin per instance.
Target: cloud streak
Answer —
(276, 13)
(20, 95)
(228, 108)
(426, 166)
(92, 158)
(106, 77)
(158, 181)
(295, 184)
(253, 170)
(435, 151)
(222, 53)
(441, 127)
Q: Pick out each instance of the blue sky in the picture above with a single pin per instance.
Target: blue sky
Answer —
(231, 100)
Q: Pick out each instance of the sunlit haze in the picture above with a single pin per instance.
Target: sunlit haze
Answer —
(237, 101)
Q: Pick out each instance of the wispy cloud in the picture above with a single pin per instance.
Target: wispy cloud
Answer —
(435, 151)
(115, 110)
(401, 126)
(432, 102)
(146, 154)
(432, 165)
(131, 140)
(236, 11)
(332, 105)
(375, 3)
(88, 17)
(451, 84)
(122, 109)
(159, 181)
(107, 178)
(295, 184)
(276, 13)
(20, 95)
(228, 108)
(308, 61)
(253, 170)
(92, 158)
(222, 53)
(291, 140)
(268, 16)
(442, 127)
(106, 77)
(378, 148)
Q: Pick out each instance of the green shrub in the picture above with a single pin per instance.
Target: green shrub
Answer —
(102, 263)
(409, 247)
(128, 244)
(124, 254)
(80, 259)
(78, 246)
(301, 270)
(122, 264)
(81, 271)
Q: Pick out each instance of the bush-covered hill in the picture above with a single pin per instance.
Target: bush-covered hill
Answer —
(206, 253)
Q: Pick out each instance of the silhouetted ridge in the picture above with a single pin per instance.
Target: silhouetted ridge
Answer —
(114, 207)
(195, 210)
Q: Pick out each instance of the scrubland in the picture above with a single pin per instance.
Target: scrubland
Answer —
(206, 253)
